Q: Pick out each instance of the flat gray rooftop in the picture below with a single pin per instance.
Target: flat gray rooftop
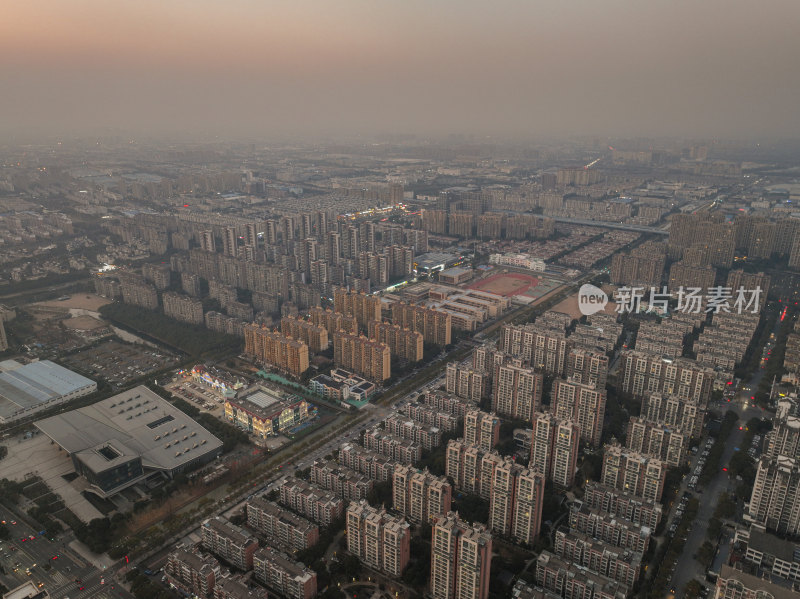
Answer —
(134, 422)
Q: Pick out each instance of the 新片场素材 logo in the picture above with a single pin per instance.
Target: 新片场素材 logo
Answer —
(591, 299)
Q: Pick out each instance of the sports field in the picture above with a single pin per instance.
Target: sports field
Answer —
(506, 284)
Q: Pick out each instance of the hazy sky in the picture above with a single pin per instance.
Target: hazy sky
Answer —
(726, 68)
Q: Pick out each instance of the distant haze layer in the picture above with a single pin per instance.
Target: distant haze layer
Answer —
(726, 68)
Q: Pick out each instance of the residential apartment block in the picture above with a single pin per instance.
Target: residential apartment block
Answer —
(310, 501)
(554, 448)
(379, 540)
(419, 495)
(583, 404)
(183, 308)
(283, 528)
(314, 336)
(481, 429)
(517, 391)
(461, 559)
(362, 355)
(403, 343)
(283, 575)
(229, 542)
(435, 325)
(276, 349)
(633, 472)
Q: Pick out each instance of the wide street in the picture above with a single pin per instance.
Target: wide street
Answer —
(687, 566)
(63, 576)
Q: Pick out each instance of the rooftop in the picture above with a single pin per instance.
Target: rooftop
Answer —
(24, 386)
(136, 422)
(755, 583)
(772, 545)
(264, 402)
(230, 531)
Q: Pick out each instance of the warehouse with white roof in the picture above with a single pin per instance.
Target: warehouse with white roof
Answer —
(29, 388)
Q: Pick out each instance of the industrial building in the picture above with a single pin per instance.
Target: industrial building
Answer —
(29, 388)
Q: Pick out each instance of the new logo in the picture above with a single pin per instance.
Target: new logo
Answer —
(591, 299)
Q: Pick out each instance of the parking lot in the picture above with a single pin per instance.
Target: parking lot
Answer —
(198, 395)
(119, 362)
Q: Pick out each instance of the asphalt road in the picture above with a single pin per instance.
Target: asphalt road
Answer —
(687, 566)
(57, 575)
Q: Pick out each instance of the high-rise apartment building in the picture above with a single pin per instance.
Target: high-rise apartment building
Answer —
(373, 267)
(775, 500)
(230, 242)
(543, 349)
(403, 343)
(526, 520)
(379, 540)
(687, 276)
(633, 270)
(463, 464)
(633, 472)
(542, 440)
(434, 221)
(316, 337)
(359, 354)
(364, 307)
(784, 438)
(670, 410)
(517, 391)
(794, 253)
(466, 382)
(400, 260)
(658, 440)
(138, 293)
(461, 559)
(207, 241)
(584, 404)
(461, 224)
(251, 235)
(481, 429)
(419, 495)
(587, 366)
(642, 374)
(183, 308)
(706, 229)
(435, 325)
(623, 504)
(190, 284)
(516, 501)
(554, 448)
(158, 274)
(276, 349)
(490, 225)
(738, 279)
(333, 321)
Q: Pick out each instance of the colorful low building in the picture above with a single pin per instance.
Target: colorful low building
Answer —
(263, 413)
